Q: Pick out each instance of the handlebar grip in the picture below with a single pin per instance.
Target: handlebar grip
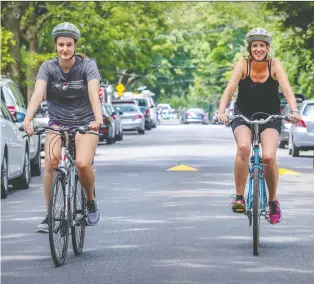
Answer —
(21, 128)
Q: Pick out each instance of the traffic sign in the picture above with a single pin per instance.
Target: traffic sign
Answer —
(120, 88)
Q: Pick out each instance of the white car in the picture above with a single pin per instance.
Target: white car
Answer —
(301, 136)
(13, 99)
(15, 153)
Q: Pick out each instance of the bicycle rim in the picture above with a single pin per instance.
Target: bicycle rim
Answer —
(78, 230)
(256, 210)
(58, 224)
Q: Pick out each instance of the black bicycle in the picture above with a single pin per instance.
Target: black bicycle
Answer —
(67, 203)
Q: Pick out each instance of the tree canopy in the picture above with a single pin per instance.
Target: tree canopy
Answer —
(183, 51)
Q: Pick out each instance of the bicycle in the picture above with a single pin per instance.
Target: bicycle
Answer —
(72, 212)
(256, 196)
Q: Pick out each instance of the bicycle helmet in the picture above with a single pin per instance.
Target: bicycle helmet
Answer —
(66, 29)
(258, 34)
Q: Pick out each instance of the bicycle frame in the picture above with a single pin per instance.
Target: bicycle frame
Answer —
(67, 167)
(256, 161)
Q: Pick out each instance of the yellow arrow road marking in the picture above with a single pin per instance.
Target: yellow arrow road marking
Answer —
(182, 168)
(283, 171)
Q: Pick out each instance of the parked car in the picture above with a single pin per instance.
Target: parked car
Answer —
(13, 99)
(132, 117)
(107, 131)
(15, 149)
(148, 120)
(301, 136)
(117, 121)
(285, 127)
(148, 102)
(283, 101)
(42, 119)
(195, 115)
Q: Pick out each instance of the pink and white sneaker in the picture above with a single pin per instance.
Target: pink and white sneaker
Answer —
(274, 212)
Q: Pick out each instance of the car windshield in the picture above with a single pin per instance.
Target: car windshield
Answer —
(126, 108)
(141, 102)
(309, 110)
(195, 110)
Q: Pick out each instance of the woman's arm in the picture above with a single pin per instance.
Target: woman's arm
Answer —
(93, 92)
(236, 76)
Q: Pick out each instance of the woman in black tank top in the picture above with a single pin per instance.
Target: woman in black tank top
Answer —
(258, 78)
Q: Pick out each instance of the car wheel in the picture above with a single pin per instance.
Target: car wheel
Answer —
(295, 151)
(281, 144)
(36, 163)
(4, 178)
(23, 181)
(109, 140)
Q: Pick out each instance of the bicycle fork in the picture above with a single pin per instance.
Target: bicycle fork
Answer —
(256, 161)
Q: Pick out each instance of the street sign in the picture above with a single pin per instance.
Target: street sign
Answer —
(120, 89)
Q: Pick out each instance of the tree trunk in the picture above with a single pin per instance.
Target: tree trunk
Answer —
(31, 72)
(11, 21)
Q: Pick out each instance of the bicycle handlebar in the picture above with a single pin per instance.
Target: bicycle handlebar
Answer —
(259, 121)
(81, 129)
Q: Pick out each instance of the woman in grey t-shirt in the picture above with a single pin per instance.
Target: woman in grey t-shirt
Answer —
(71, 84)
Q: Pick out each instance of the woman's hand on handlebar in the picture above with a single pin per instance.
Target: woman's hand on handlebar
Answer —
(222, 117)
(94, 125)
(28, 127)
(294, 117)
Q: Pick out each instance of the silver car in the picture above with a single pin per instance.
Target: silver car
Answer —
(285, 128)
(195, 115)
(132, 117)
(301, 136)
(15, 152)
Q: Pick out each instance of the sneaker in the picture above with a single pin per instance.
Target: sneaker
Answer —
(93, 213)
(274, 212)
(238, 204)
(43, 227)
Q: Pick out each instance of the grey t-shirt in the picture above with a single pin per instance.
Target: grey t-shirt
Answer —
(67, 93)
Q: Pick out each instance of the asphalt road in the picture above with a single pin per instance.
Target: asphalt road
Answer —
(171, 227)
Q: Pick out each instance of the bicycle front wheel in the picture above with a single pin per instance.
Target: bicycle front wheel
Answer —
(256, 210)
(78, 230)
(58, 221)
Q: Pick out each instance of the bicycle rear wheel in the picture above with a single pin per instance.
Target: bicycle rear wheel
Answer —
(256, 210)
(78, 230)
(57, 221)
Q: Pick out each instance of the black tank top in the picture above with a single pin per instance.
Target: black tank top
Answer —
(258, 97)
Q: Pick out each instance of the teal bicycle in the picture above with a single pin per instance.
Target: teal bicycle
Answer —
(257, 204)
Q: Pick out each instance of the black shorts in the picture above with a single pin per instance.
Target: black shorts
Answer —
(275, 124)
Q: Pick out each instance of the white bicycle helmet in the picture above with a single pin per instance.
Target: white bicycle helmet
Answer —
(258, 34)
(66, 29)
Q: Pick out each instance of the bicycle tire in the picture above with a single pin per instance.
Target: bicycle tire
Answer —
(78, 230)
(256, 210)
(63, 226)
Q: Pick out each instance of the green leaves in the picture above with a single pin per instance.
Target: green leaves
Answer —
(6, 42)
